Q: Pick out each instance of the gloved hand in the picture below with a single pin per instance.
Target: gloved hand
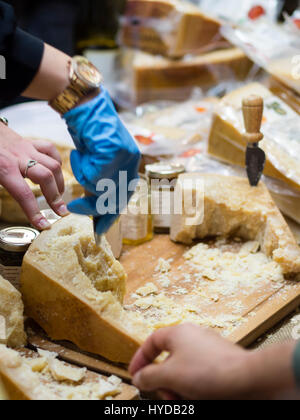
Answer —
(104, 148)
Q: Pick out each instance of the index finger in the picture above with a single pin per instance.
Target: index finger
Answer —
(157, 343)
(17, 187)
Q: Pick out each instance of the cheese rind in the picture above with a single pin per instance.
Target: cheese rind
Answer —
(74, 291)
(11, 316)
(233, 208)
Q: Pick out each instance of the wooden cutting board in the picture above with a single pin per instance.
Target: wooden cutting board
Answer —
(261, 310)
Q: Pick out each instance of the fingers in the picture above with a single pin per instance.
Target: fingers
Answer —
(47, 148)
(21, 192)
(157, 343)
(55, 167)
(43, 176)
(154, 378)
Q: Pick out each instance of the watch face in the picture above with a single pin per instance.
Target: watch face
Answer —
(86, 71)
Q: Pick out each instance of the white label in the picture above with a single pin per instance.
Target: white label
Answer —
(162, 208)
(11, 274)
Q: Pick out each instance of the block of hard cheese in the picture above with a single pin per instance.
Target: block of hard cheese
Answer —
(74, 290)
(169, 27)
(229, 206)
(281, 127)
(30, 376)
(156, 77)
(11, 316)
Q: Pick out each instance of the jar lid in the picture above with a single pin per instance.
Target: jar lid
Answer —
(164, 170)
(17, 239)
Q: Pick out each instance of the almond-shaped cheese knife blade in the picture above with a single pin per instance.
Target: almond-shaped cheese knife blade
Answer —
(253, 108)
(255, 163)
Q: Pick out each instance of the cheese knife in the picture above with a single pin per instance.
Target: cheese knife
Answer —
(253, 108)
(98, 238)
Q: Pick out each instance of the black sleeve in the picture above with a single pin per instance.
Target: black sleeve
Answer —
(21, 52)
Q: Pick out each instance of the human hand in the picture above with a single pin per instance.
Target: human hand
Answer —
(201, 365)
(15, 153)
(104, 149)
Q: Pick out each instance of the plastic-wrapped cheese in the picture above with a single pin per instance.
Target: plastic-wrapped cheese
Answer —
(216, 205)
(169, 27)
(11, 316)
(281, 127)
(74, 290)
(149, 78)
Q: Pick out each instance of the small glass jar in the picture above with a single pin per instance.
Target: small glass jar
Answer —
(137, 223)
(14, 243)
(162, 178)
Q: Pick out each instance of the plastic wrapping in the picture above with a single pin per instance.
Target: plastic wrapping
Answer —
(281, 127)
(146, 78)
(171, 130)
(236, 11)
(273, 47)
(172, 28)
(292, 23)
(287, 94)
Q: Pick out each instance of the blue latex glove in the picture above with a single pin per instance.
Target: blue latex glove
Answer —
(104, 148)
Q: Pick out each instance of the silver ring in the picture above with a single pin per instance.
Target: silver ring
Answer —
(4, 121)
(30, 164)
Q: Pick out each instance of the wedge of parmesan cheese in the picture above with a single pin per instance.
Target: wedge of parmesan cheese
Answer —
(281, 126)
(231, 207)
(74, 290)
(154, 78)
(11, 316)
(169, 27)
(28, 376)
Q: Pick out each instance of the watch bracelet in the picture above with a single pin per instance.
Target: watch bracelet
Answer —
(71, 96)
(296, 364)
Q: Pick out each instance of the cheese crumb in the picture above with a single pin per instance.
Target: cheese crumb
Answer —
(61, 372)
(163, 266)
(147, 290)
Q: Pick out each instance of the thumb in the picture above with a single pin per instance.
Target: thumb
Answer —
(153, 378)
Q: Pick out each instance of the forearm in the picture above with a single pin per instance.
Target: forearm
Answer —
(270, 372)
(52, 77)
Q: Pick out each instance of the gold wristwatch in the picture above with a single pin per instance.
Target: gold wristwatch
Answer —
(85, 78)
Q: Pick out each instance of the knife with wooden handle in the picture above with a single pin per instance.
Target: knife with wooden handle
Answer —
(253, 108)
